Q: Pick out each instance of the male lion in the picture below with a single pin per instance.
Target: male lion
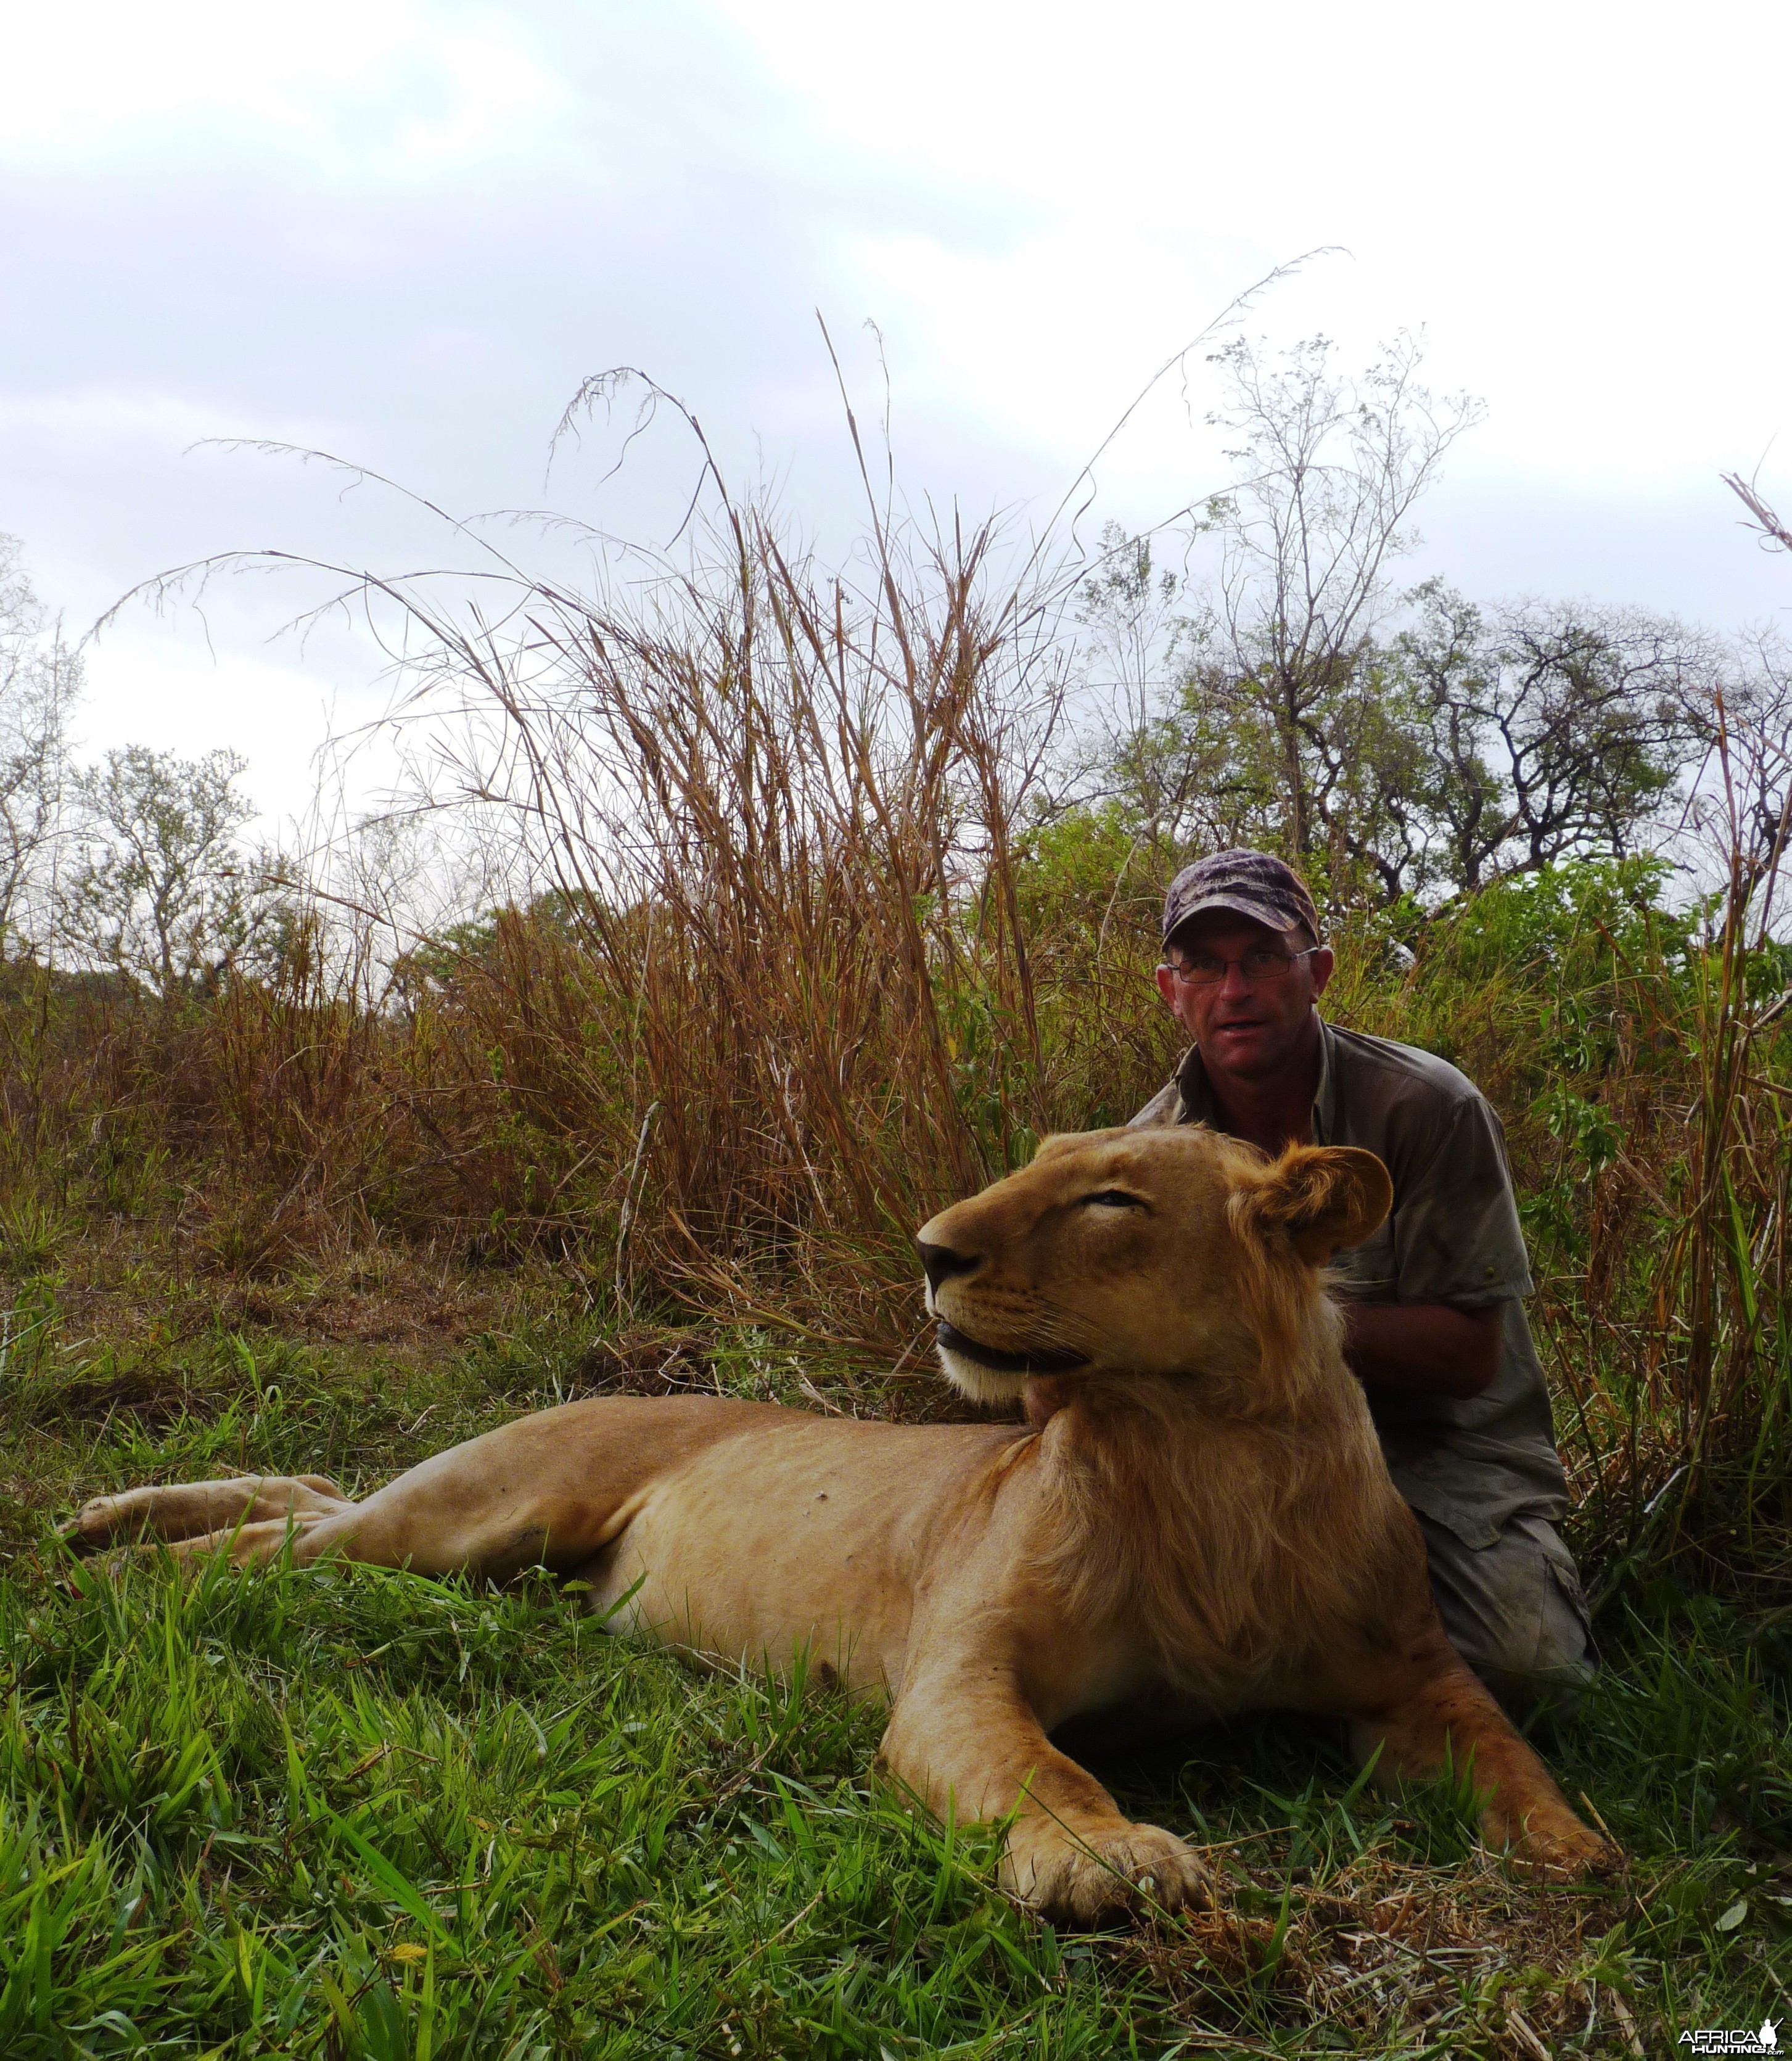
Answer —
(1198, 1521)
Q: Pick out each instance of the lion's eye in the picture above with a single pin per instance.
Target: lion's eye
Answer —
(1113, 1198)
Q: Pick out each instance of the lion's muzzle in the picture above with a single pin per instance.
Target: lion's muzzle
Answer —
(953, 1340)
(940, 1263)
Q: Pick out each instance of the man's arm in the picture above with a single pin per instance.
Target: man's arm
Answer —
(1423, 1348)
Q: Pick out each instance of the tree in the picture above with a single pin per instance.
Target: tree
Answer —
(1742, 803)
(1753, 733)
(1329, 469)
(1132, 630)
(1437, 754)
(40, 681)
(160, 891)
(1552, 730)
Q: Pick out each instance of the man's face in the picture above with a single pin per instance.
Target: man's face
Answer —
(1250, 1029)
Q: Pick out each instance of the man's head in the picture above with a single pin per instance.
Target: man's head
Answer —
(1243, 964)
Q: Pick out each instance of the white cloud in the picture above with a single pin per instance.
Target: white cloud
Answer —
(170, 690)
(1580, 204)
(405, 230)
(376, 86)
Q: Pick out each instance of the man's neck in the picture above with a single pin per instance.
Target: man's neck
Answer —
(1277, 1110)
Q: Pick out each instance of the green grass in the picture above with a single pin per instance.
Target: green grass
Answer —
(346, 1813)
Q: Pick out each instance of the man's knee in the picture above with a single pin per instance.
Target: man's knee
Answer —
(1514, 1611)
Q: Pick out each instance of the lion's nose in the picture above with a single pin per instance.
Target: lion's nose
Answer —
(941, 1263)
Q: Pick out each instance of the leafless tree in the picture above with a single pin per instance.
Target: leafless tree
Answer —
(1758, 712)
(1330, 468)
(40, 681)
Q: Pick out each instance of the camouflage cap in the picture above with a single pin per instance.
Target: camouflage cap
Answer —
(1243, 883)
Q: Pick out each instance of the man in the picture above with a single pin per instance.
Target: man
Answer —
(1435, 1325)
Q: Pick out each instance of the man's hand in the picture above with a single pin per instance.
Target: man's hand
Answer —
(1423, 1348)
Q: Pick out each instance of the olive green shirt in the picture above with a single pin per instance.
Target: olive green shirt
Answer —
(1453, 1237)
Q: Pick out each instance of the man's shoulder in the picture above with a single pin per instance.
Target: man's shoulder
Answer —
(1160, 1111)
(1404, 1073)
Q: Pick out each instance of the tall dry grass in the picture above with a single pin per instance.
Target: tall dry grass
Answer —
(800, 962)
(785, 976)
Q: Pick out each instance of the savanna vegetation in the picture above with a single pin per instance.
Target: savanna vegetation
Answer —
(828, 890)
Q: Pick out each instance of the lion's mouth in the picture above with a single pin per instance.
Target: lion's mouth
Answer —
(954, 1341)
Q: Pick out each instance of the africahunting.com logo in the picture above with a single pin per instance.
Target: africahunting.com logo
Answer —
(1710, 2041)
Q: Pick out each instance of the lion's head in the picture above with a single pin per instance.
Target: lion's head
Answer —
(1175, 1251)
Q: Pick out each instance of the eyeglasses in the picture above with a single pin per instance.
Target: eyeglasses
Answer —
(1207, 968)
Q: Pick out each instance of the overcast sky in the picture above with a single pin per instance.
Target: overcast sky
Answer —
(403, 230)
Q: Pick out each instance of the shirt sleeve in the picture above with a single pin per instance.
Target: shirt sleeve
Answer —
(1455, 1232)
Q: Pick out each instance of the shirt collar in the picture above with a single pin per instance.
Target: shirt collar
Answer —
(1195, 1102)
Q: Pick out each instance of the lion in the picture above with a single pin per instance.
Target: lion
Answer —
(1195, 1519)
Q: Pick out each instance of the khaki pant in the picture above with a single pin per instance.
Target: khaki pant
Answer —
(1514, 1611)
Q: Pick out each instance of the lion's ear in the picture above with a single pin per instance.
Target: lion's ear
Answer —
(1320, 1197)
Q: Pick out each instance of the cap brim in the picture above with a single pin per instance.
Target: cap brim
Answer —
(1265, 912)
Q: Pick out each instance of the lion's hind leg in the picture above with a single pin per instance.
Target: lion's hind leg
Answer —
(553, 1489)
(195, 1511)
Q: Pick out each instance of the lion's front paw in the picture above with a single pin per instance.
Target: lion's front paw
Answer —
(1566, 1852)
(1094, 1877)
(1552, 1841)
